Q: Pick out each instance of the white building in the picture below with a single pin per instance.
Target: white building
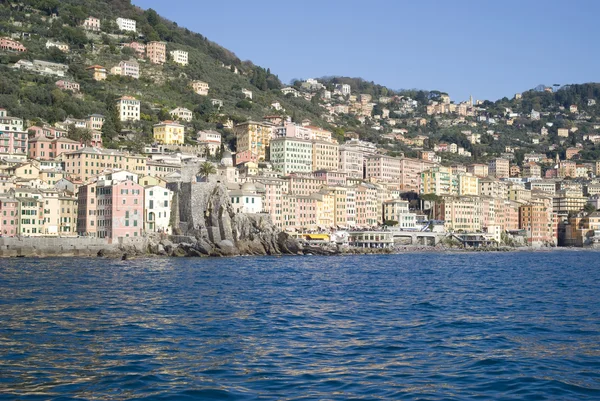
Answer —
(398, 210)
(291, 90)
(200, 87)
(63, 47)
(126, 24)
(342, 89)
(129, 108)
(246, 199)
(210, 139)
(129, 68)
(181, 113)
(157, 209)
(180, 57)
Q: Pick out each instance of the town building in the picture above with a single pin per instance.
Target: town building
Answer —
(169, 133)
(209, 139)
(88, 162)
(291, 155)
(43, 148)
(156, 52)
(478, 170)
(157, 209)
(539, 222)
(181, 113)
(397, 210)
(253, 138)
(11, 45)
(66, 84)
(129, 68)
(246, 199)
(98, 72)
(439, 181)
(126, 24)
(91, 24)
(128, 108)
(499, 168)
(200, 87)
(139, 48)
(120, 206)
(180, 57)
(325, 155)
(63, 47)
(351, 162)
(13, 140)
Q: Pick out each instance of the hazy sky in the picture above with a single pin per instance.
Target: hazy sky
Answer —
(486, 48)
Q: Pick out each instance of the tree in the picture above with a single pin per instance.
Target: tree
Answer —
(206, 169)
(589, 208)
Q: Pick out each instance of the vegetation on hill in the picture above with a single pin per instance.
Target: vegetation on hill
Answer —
(162, 88)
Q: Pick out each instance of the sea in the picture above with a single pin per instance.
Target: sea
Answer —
(430, 326)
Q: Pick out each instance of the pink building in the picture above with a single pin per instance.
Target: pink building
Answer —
(12, 45)
(96, 141)
(157, 52)
(244, 157)
(9, 217)
(45, 132)
(332, 178)
(67, 85)
(140, 48)
(94, 122)
(91, 24)
(13, 142)
(43, 148)
(120, 209)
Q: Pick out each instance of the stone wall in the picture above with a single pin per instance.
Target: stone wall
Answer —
(69, 246)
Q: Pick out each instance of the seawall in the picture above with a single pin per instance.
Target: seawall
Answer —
(67, 246)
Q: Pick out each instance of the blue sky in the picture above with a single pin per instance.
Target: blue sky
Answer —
(486, 48)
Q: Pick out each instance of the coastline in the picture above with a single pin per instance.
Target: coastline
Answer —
(44, 247)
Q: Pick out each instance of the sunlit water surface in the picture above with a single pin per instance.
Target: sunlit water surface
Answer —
(415, 326)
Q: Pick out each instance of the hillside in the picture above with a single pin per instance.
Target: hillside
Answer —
(394, 119)
(160, 88)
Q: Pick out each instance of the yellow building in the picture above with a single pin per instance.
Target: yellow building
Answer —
(461, 213)
(148, 180)
(68, 216)
(169, 133)
(325, 156)
(89, 162)
(468, 184)
(253, 138)
(325, 209)
(439, 181)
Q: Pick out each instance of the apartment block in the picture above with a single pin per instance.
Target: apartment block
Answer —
(126, 24)
(169, 133)
(253, 139)
(156, 52)
(180, 57)
(129, 108)
(325, 156)
(499, 168)
(291, 155)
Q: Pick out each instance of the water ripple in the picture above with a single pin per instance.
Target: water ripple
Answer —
(435, 326)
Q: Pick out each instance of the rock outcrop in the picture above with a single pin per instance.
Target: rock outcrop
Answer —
(207, 225)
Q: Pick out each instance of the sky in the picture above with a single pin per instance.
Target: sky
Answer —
(487, 49)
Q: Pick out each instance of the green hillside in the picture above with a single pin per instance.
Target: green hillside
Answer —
(160, 88)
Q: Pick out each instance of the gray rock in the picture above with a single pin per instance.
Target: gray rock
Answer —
(204, 213)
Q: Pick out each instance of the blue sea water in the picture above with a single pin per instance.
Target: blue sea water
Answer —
(467, 326)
